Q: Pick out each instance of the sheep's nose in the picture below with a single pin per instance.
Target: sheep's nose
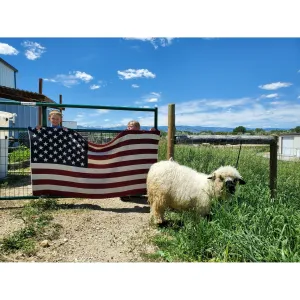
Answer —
(230, 186)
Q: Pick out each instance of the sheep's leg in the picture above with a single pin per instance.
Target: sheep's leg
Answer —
(157, 209)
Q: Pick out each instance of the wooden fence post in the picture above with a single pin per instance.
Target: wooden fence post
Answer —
(171, 130)
(40, 111)
(60, 102)
(273, 167)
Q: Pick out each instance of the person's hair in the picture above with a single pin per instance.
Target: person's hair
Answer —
(55, 112)
(134, 123)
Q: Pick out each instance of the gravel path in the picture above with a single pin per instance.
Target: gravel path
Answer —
(104, 230)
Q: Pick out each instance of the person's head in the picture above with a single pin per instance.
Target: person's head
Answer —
(55, 117)
(133, 125)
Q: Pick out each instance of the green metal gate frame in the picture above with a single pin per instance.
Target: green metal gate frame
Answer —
(44, 107)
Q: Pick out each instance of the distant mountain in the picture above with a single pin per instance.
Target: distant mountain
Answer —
(194, 129)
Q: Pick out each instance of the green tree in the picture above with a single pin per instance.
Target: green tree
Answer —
(297, 129)
(239, 129)
(259, 131)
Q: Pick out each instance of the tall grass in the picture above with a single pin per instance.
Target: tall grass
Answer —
(248, 228)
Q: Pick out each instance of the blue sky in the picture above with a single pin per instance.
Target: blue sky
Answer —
(222, 82)
(213, 82)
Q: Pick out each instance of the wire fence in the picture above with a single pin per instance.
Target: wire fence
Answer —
(15, 172)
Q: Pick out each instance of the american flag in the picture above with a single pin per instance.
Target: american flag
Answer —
(65, 164)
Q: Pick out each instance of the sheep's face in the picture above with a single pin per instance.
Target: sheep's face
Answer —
(226, 180)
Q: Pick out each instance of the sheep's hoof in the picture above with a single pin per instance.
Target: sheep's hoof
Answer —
(163, 224)
(208, 217)
(125, 198)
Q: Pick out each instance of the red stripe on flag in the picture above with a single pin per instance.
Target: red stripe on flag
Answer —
(86, 185)
(123, 153)
(88, 175)
(122, 163)
(122, 144)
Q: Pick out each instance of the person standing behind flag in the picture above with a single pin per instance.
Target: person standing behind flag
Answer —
(55, 118)
(133, 125)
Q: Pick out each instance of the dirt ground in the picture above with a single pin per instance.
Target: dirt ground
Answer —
(104, 230)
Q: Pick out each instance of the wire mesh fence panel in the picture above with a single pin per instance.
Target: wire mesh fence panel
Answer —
(15, 179)
(15, 171)
(100, 137)
(207, 157)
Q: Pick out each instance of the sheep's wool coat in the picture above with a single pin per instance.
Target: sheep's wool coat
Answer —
(179, 187)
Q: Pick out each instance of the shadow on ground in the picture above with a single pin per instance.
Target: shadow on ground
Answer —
(140, 209)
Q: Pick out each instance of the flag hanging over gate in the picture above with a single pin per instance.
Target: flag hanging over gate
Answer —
(65, 164)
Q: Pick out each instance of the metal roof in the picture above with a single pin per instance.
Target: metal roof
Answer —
(8, 65)
(22, 95)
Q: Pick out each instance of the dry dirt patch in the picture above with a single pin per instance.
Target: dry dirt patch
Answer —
(103, 230)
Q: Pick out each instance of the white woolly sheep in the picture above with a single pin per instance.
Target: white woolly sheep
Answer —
(171, 185)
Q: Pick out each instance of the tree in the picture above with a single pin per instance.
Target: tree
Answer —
(259, 131)
(297, 129)
(239, 129)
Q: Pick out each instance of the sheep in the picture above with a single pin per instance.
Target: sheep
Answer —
(171, 185)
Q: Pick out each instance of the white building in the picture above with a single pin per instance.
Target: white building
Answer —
(289, 145)
(8, 74)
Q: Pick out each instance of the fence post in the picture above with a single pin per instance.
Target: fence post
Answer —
(273, 167)
(60, 102)
(155, 118)
(171, 130)
(40, 109)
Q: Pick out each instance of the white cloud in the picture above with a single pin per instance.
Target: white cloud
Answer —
(156, 42)
(6, 49)
(216, 113)
(100, 84)
(94, 87)
(71, 79)
(98, 112)
(152, 100)
(270, 96)
(132, 73)
(135, 86)
(149, 98)
(209, 112)
(155, 94)
(34, 50)
(83, 76)
(275, 85)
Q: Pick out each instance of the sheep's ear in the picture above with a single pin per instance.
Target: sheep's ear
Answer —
(212, 176)
(241, 181)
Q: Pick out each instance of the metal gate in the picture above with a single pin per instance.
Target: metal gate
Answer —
(15, 179)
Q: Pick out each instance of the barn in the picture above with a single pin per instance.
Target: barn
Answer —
(289, 145)
(26, 115)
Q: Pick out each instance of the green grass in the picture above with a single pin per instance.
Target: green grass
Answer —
(22, 153)
(38, 225)
(250, 227)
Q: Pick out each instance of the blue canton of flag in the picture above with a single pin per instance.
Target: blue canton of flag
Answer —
(58, 146)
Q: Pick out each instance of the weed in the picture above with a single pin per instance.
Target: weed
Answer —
(37, 224)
